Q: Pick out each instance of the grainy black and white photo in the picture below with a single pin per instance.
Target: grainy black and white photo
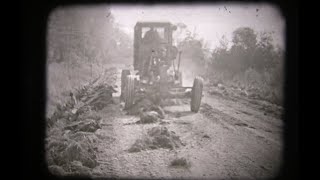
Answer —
(165, 91)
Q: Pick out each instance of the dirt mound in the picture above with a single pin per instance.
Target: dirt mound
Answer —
(157, 137)
(147, 110)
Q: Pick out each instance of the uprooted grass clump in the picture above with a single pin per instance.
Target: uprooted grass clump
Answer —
(66, 147)
(72, 143)
(157, 137)
(148, 117)
(71, 131)
(88, 125)
(151, 115)
(148, 111)
(140, 104)
(180, 163)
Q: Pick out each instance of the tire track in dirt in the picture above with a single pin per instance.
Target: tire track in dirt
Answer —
(118, 162)
(230, 122)
(223, 141)
(257, 150)
(213, 150)
(270, 113)
(238, 115)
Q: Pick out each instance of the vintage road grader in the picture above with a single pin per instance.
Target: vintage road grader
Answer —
(156, 74)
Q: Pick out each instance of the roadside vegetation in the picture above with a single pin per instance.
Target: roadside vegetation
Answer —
(250, 62)
(81, 44)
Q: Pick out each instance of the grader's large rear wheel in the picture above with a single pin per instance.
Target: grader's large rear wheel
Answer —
(124, 75)
(196, 94)
(129, 91)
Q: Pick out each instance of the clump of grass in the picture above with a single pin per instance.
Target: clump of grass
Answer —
(180, 162)
(155, 138)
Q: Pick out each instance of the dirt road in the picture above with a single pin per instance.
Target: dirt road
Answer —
(230, 137)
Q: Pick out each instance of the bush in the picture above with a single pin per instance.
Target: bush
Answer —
(62, 78)
(255, 67)
(252, 79)
(78, 50)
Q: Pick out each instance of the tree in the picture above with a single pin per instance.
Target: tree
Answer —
(224, 42)
(243, 49)
(251, 61)
(87, 32)
(245, 37)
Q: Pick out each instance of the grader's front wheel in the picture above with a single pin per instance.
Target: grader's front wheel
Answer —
(129, 91)
(196, 94)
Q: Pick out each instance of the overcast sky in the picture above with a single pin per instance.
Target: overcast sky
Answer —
(211, 21)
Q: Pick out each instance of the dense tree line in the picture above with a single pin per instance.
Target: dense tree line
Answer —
(81, 44)
(85, 34)
(250, 61)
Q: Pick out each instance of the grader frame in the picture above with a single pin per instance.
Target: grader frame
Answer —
(156, 75)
